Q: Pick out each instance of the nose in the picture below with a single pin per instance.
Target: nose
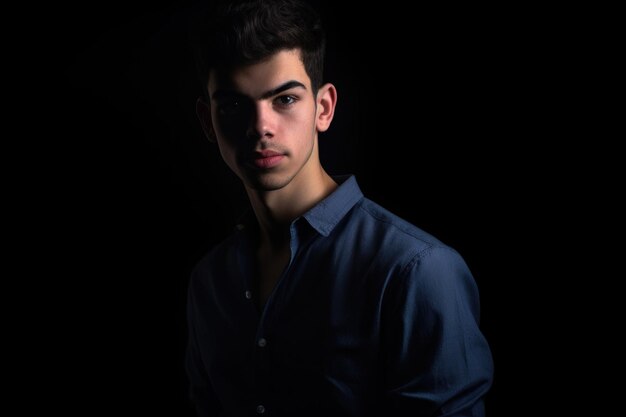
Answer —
(261, 124)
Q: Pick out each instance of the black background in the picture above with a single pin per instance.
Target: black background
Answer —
(433, 118)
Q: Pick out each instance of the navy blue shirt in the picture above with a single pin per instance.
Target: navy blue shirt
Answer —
(371, 317)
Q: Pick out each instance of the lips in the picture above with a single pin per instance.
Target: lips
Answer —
(266, 154)
(267, 159)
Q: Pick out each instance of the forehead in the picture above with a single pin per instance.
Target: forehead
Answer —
(253, 80)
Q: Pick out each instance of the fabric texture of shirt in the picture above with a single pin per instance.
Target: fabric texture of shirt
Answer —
(371, 317)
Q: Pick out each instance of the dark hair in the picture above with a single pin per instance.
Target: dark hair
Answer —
(243, 32)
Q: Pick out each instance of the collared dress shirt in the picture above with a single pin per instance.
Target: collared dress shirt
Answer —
(371, 317)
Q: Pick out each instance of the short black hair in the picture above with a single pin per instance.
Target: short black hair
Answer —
(242, 32)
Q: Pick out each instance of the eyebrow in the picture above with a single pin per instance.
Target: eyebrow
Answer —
(270, 93)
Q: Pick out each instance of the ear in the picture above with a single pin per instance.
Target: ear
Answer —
(326, 102)
(204, 114)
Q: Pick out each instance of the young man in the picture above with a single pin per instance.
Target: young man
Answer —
(321, 303)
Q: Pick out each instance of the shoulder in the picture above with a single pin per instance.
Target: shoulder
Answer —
(424, 259)
(390, 229)
(438, 279)
(218, 258)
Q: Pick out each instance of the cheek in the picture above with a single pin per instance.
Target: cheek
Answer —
(229, 129)
(302, 123)
(228, 153)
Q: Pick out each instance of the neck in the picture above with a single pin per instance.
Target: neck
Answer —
(276, 209)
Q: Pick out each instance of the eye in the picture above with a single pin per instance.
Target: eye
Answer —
(229, 107)
(285, 101)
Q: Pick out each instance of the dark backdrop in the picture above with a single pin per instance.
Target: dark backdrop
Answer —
(432, 118)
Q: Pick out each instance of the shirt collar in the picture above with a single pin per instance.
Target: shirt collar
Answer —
(325, 215)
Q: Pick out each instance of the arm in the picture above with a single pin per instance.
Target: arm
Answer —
(201, 392)
(437, 362)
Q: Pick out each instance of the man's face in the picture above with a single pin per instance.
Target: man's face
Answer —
(264, 119)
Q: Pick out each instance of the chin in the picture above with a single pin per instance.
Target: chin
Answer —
(267, 182)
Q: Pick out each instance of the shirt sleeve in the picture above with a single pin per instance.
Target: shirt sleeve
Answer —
(201, 392)
(437, 362)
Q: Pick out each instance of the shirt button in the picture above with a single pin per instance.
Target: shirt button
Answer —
(262, 342)
(248, 295)
(260, 409)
